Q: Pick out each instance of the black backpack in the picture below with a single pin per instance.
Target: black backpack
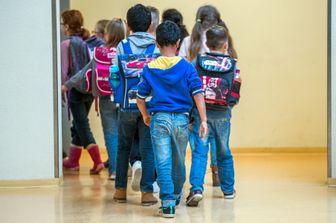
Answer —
(220, 80)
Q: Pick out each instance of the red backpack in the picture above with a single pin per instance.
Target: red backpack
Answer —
(103, 58)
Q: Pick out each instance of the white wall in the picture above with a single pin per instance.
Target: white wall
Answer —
(282, 48)
(26, 85)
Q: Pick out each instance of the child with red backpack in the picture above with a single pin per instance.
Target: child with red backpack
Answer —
(94, 79)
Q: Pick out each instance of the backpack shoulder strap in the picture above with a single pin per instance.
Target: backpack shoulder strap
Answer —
(150, 49)
(127, 47)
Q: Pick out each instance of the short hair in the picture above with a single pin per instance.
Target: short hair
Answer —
(155, 13)
(100, 26)
(139, 18)
(167, 33)
(216, 37)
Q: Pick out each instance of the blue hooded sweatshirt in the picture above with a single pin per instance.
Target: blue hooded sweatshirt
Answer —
(171, 81)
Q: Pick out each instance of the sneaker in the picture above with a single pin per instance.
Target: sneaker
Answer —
(231, 195)
(167, 212)
(112, 176)
(156, 188)
(177, 201)
(194, 197)
(136, 176)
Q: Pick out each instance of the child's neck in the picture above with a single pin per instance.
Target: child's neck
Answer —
(219, 51)
(168, 52)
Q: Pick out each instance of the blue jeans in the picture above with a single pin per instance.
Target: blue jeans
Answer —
(129, 122)
(212, 143)
(169, 132)
(109, 119)
(219, 126)
(80, 105)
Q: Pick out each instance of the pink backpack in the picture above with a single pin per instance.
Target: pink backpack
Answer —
(103, 58)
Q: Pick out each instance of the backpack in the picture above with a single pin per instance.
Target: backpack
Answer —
(220, 80)
(130, 67)
(79, 55)
(103, 58)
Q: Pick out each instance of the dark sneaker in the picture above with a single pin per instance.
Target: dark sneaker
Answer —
(231, 195)
(167, 212)
(178, 201)
(194, 197)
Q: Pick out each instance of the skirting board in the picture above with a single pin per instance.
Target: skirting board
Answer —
(30, 183)
(279, 150)
(332, 182)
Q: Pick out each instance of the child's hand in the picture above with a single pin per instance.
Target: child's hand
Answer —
(64, 88)
(146, 120)
(203, 130)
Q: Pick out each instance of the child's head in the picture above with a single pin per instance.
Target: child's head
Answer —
(99, 29)
(217, 39)
(167, 34)
(115, 31)
(155, 13)
(139, 18)
(175, 16)
(72, 24)
(206, 17)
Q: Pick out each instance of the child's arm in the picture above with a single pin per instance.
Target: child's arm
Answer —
(142, 107)
(199, 101)
(144, 90)
(76, 80)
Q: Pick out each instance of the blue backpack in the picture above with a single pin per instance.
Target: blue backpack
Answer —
(130, 67)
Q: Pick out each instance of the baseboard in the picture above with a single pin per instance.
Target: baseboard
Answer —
(30, 183)
(280, 150)
(332, 182)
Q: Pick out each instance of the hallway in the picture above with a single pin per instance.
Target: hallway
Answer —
(271, 187)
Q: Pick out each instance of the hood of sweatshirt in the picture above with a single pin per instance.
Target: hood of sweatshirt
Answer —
(141, 39)
(168, 69)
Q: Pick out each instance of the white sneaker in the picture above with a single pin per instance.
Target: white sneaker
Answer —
(112, 176)
(136, 176)
(156, 188)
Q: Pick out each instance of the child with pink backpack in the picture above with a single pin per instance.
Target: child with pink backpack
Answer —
(94, 79)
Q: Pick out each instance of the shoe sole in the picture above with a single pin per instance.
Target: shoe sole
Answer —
(168, 215)
(136, 180)
(229, 197)
(120, 200)
(148, 203)
(194, 200)
(96, 171)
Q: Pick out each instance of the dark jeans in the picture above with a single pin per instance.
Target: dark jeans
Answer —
(129, 122)
(80, 107)
(135, 151)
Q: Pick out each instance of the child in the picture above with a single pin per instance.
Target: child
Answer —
(138, 20)
(171, 81)
(74, 56)
(155, 19)
(219, 116)
(97, 39)
(115, 32)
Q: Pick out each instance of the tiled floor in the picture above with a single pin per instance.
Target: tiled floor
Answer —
(271, 188)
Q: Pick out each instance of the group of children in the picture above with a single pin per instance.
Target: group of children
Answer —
(182, 96)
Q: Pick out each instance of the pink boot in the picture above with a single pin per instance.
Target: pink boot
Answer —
(72, 162)
(98, 165)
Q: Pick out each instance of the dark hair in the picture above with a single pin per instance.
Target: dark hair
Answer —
(74, 19)
(139, 18)
(216, 37)
(206, 17)
(116, 31)
(231, 50)
(175, 16)
(167, 33)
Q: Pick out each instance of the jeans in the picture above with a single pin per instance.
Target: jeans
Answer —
(212, 143)
(169, 132)
(219, 126)
(80, 105)
(135, 151)
(129, 122)
(109, 119)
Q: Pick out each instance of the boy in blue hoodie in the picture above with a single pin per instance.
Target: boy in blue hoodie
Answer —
(172, 82)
